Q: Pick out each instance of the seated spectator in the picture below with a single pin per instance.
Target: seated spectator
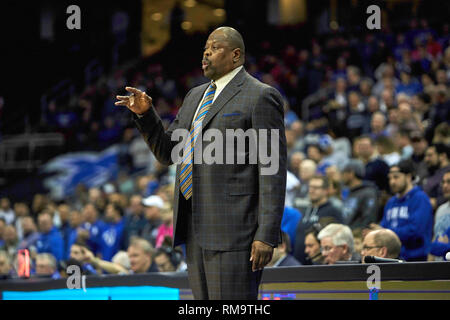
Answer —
(360, 206)
(440, 245)
(134, 219)
(437, 158)
(319, 209)
(50, 239)
(336, 244)
(289, 222)
(141, 254)
(358, 120)
(112, 233)
(21, 210)
(408, 85)
(282, 254)
(11, 241)
(6, 267)
(387, 150)
(92, 226)
(409, 213)
(419, 145)
(376, 169)
(152, 213)
(306, 171)
(6, 212)
(30, 234)
(78, 253)
(312, 245)
(378, 125)
(166, 227)
(383, 243)
(46, 266)
(169, 260)
(75, 220)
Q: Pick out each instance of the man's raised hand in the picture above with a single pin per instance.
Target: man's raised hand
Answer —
(138, 102)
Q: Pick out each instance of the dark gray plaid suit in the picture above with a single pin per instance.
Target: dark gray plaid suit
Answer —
(232, 204)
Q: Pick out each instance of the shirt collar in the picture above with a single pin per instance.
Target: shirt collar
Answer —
(223, 81)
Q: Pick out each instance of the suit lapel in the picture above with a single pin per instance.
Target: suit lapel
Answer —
(230, 90)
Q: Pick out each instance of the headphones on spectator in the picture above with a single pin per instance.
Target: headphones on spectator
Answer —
(175, 256)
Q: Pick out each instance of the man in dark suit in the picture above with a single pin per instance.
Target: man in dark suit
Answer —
(228, 215)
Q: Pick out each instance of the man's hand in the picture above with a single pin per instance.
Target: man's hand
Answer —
(138, 102)
(261, 255)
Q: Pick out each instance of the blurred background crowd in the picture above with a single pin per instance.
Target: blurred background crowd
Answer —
(367, 120)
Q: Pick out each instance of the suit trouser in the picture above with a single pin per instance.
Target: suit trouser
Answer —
(219, 275)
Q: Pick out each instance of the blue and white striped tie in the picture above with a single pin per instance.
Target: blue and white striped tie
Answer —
(186, 166)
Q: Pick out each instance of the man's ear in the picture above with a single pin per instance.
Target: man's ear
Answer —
(237, 54)
(383, 251)
(345, 249)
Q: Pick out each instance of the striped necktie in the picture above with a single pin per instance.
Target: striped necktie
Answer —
(186, 166)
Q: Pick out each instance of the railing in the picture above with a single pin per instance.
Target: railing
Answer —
(20, 152)
(409, 280)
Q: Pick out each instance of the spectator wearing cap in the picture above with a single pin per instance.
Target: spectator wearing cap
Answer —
(408, 213)
(111, 236)
(360, 206)
(152, 213)
(383, 243)
(282, 254)
(437, 158)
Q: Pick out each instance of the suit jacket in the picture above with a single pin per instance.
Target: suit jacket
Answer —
(232, 204)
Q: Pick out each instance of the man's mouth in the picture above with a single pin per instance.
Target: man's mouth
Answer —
(205, 64)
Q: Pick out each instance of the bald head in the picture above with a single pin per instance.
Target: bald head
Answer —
(388, 239)
(224, 51)
(234, 39)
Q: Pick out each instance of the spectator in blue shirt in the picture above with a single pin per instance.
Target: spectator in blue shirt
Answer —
(75, 220)
(50, 239)
(409, 213)
(291, 217)
(112, 233)
(91, 227)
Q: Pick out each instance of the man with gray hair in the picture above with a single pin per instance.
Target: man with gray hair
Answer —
(46, 266)
(336, 244)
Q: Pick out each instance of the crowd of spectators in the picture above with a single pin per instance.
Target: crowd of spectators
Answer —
(369, 168)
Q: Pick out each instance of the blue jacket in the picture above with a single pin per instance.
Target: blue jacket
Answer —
(95, 230)
(289, 222)
(51, 242)
(111, 239)
(411, 218)
(440, 249)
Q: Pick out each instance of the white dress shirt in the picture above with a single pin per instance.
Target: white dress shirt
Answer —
(220, 85)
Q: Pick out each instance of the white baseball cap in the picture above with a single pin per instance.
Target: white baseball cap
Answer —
(153, 201)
